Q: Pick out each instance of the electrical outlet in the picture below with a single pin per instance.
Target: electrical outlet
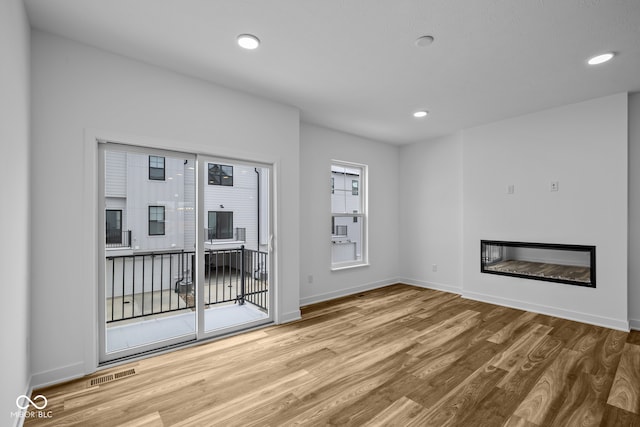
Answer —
(554, 186)
(434, 267)
(310, 278)
(511, 189)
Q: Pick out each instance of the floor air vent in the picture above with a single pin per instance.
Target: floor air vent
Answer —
(101, 380)
(111, 377)
(123, 374)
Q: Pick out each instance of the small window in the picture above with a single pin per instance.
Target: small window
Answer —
(156, 168)
(220, 225)
(220, 175)
(354, 187)
(156, 220)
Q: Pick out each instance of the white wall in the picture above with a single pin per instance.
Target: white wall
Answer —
(318, 146)
(77, 90)
(584, 147)
(431, 213)
(634, 210)
(14, 209)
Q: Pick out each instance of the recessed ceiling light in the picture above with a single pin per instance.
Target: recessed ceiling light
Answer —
(420, 114)
(600, 59)
(424, 41)
(248, 41)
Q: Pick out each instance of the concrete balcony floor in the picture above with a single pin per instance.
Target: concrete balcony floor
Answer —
(136, 332)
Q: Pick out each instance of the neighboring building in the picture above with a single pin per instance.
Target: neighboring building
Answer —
(236, 200)
(150, 204)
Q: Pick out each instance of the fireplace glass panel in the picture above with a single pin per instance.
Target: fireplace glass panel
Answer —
(570, 264)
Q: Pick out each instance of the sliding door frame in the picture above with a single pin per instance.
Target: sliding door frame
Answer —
(93, 224)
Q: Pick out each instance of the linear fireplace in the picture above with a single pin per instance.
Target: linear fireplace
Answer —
(551, 262)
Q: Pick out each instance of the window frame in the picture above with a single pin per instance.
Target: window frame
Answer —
(155, 221)
(163, 168)
(221, 175)
(209, 228)
(361, 215)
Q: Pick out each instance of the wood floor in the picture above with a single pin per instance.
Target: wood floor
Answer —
(400, 355)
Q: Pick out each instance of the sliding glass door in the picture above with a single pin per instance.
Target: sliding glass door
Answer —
(184, 255)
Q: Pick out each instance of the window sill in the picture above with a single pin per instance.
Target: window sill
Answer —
(223, 242)
(339, 267)
(122, 251)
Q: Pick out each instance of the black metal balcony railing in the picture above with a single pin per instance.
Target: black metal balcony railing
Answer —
(118, 239)
(236, 275)
(148, 284)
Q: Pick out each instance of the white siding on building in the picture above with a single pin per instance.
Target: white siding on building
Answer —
(115, 174)
(143, 193)
(189, 205)
(128, 188)
(241, 199)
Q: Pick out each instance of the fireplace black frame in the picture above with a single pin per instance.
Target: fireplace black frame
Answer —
(555, 246)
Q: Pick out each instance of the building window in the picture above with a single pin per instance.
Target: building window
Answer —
(114, 226)
(156, 168)
(220, 175)
(348, 215)
(220, 225)
(156, 220)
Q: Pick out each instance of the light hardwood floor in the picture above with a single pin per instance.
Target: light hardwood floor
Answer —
(399, 355)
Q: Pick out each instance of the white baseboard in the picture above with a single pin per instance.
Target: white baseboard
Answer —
(58, 375)
(634, 324)
(606, 322)
(290, 316)
(431, 285)
(619, 324)
(312, 299)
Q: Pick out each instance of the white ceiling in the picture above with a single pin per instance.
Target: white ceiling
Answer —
(352, 64)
